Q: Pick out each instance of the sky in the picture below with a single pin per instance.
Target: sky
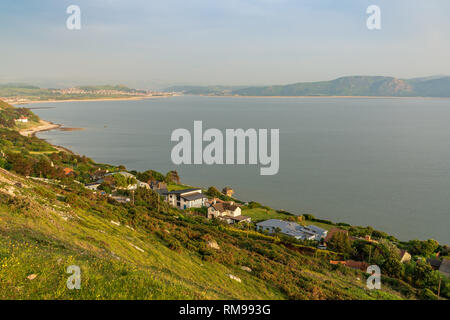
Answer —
(153, 44)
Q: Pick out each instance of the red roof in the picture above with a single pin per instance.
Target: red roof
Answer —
(68, 171)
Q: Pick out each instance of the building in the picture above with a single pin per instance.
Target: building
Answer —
(92, 186)
(157, 185)
(121, 199)
(68, 171)
(22, 119)
(445, 268)
(404, 256)
(228, 191)
(288, 228)
(227, 211)
(123, 173)
(220, 209)
(320, 233)
(434, 263)
(143, 185)
(186, 198)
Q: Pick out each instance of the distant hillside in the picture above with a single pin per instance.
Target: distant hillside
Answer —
(438, 86)
(214, 90)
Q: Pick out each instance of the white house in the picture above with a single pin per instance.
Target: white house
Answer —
(227, 211)
(186, 198)
(22, 119)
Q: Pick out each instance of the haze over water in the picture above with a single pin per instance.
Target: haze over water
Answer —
(379, 162)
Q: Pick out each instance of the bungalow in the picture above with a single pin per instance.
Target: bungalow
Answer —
(288, 228)
(186, 198)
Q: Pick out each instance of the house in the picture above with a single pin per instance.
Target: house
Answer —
(445, 268)
(223, 209)
(22, 119)
(92, 186)
(228, 191)
(434, 263)
(143, 185)
(288, 228)
(404, 256)
(121, 199)
(186, 198)
(320, 233)
(227, 211)
(157, 185)
(123, 173)
(68, 171)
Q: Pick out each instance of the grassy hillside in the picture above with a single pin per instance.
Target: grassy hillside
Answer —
(8, 114)
(44, 229)
(146, 249)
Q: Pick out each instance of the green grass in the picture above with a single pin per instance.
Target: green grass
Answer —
(172, 187)
(43, 236)
(261, 214)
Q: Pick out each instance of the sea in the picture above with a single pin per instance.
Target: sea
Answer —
(383, 162)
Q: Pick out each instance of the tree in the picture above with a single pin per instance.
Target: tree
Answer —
(423, 248)
(213, 192)
(340, 242)
(173, 177)
(422, 273)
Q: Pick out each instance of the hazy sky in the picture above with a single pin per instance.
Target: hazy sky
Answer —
(151, 44)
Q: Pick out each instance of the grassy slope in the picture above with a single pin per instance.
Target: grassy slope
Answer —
(40, 235)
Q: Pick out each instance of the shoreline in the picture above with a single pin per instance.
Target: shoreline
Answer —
(13, 102)
(320, 97)
(44, 126)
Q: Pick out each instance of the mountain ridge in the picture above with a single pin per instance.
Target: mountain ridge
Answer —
(376, 86)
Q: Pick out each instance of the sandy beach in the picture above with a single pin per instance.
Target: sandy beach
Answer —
(44, 126)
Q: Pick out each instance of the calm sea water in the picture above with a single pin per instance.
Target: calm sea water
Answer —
(378, 162)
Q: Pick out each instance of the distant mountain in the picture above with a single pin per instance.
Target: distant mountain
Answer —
(437, 86)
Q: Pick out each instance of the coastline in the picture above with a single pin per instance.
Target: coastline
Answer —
(321, 97)
(44, 126)
(14, 102)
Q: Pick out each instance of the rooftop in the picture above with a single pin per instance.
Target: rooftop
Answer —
(194, 196)
(184, 191)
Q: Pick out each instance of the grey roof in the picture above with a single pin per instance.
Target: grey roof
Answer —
(194, 196)
(289, 228)
(445, 267)
(183, 191)
(162, 192)
(123, 173)
(316, 229)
